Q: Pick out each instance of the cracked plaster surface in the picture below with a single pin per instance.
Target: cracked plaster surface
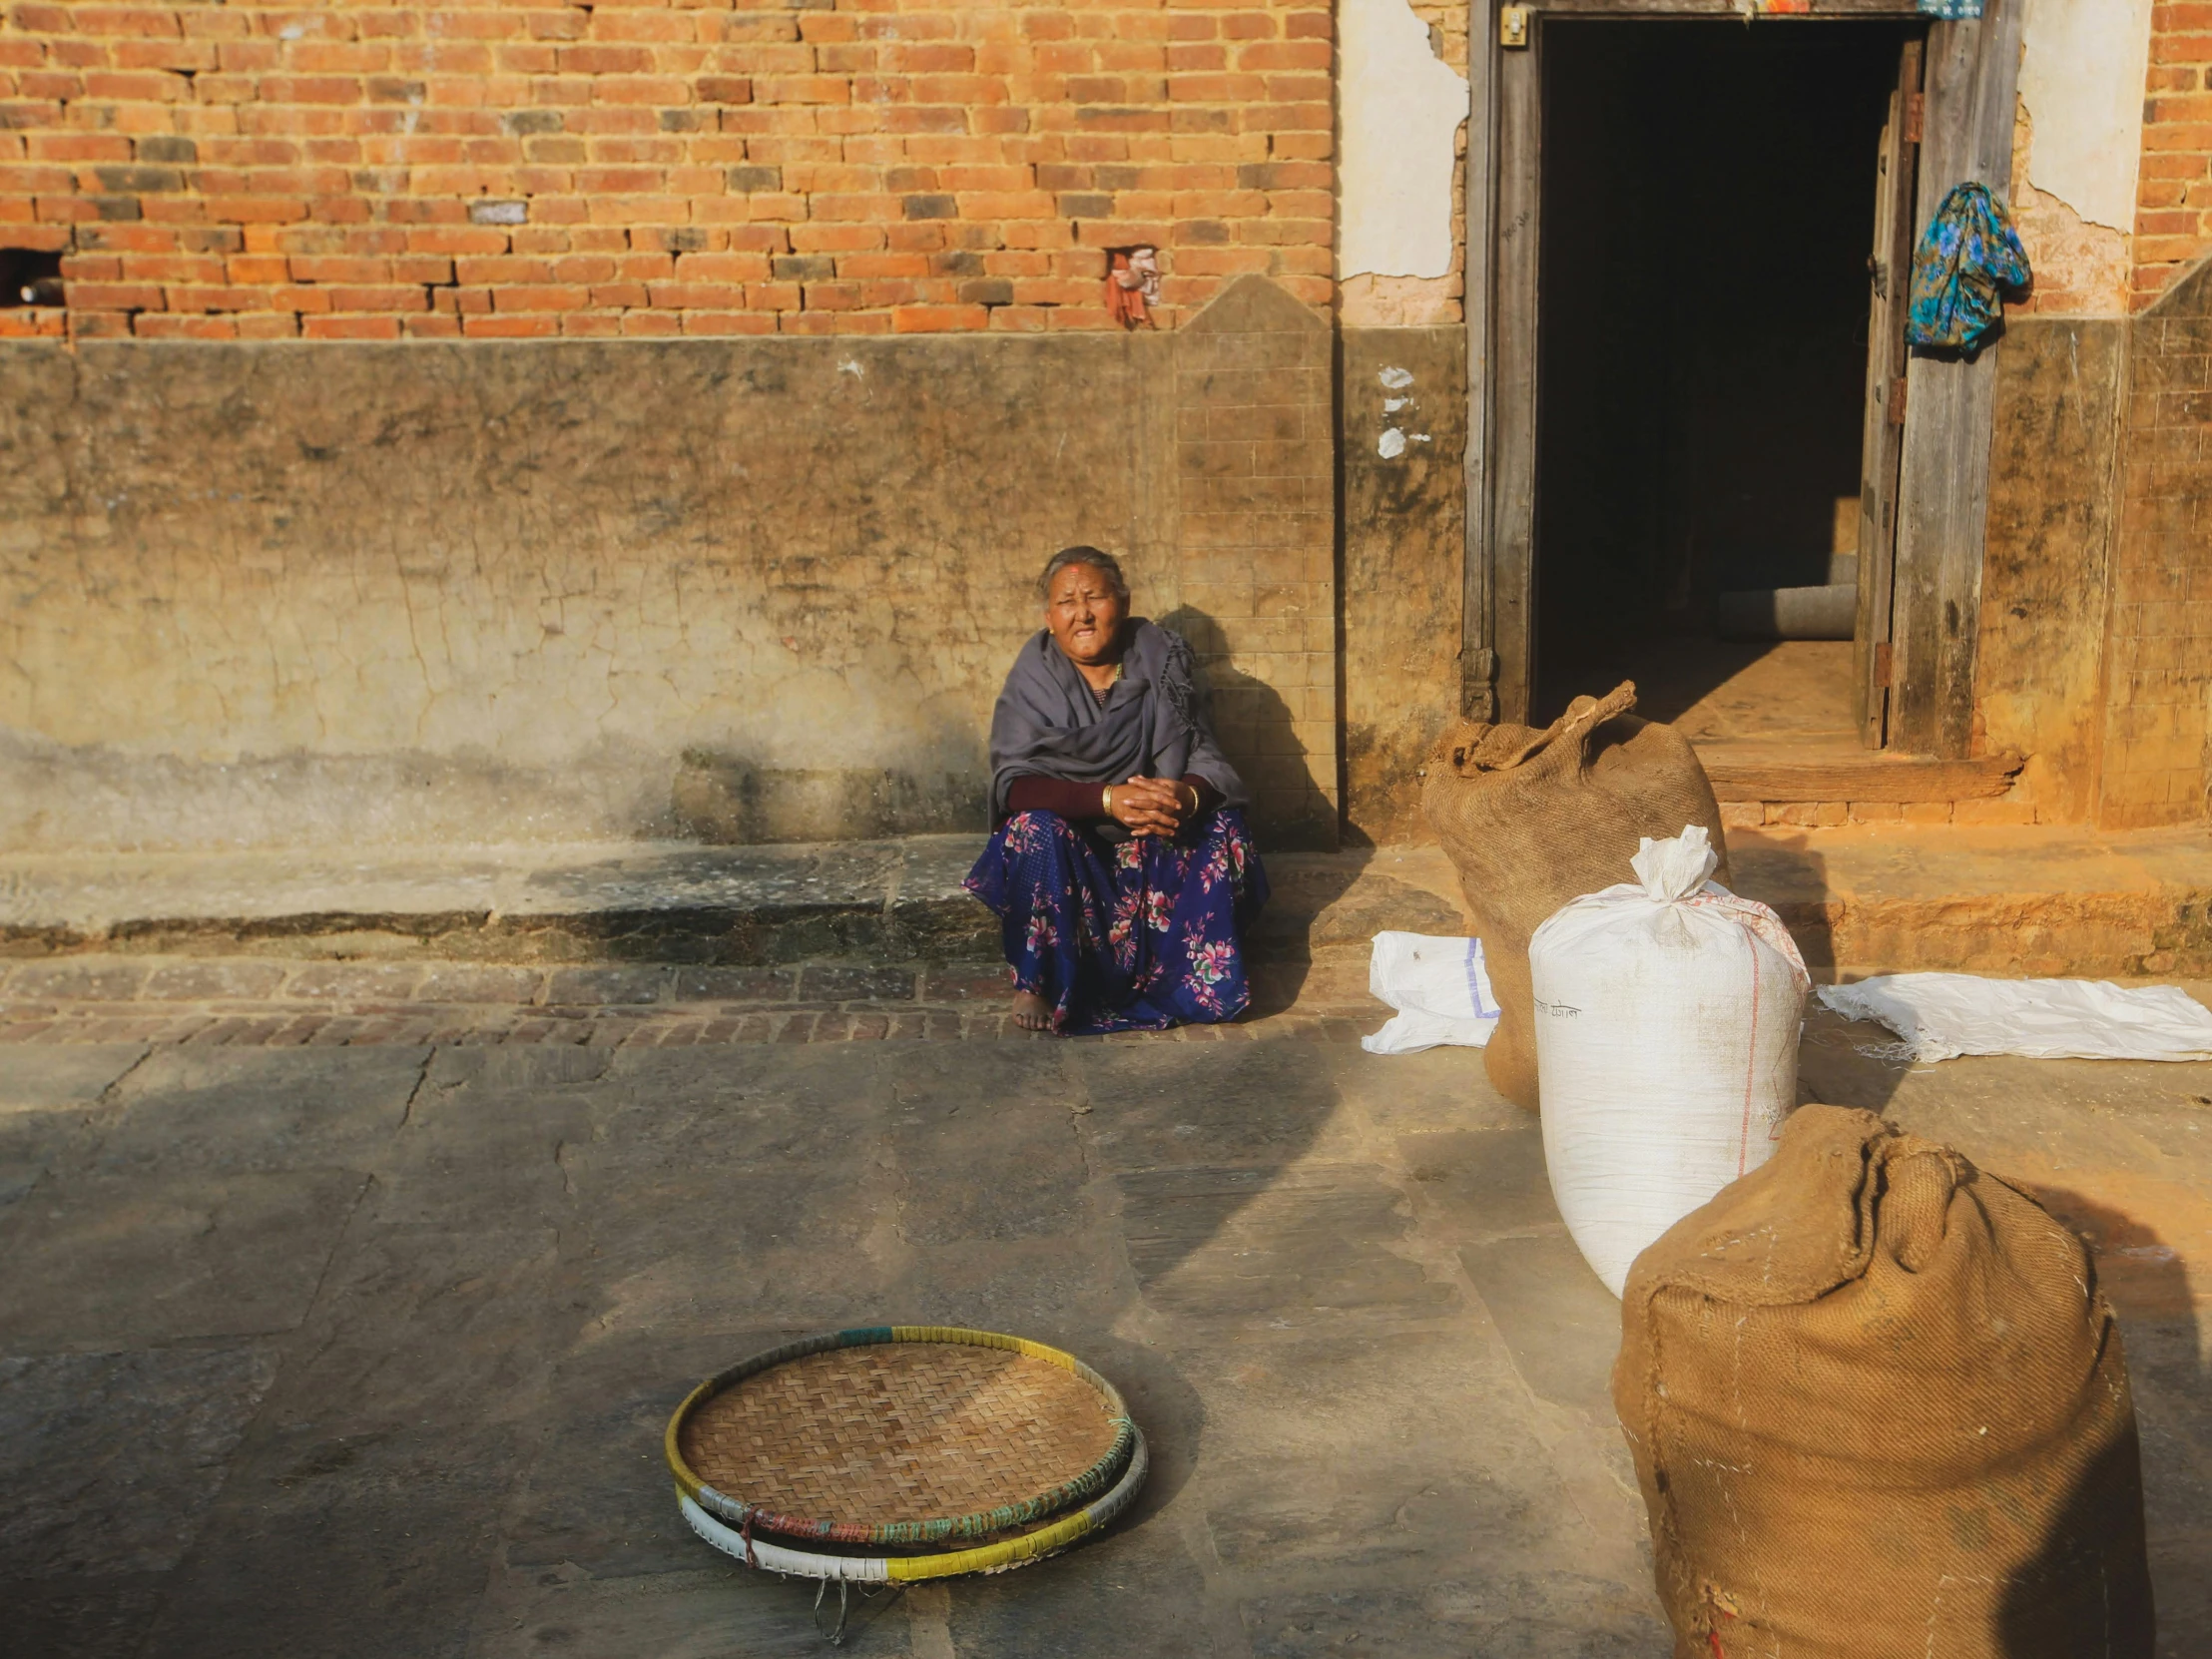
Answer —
(1400, 107)
(2078, 137)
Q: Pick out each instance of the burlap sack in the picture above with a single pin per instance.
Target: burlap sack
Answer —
(1535, 818)
(1879, 1410)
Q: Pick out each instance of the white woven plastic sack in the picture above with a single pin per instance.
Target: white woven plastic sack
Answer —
(1668, 1013)
(1438, 986)
(1943, 1015)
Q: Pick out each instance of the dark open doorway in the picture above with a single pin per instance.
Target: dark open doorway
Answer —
(1709, 194)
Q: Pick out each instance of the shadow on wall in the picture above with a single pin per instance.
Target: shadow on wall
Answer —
(727, 799)
(1290, 812)
(938, 782)
(1791, 879)
(81, 799)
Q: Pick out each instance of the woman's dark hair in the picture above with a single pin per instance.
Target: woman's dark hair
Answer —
(1104, 563)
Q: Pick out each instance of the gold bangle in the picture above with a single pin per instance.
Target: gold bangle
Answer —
(1106, 800)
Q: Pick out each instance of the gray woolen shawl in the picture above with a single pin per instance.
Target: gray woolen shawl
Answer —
(1049, 724)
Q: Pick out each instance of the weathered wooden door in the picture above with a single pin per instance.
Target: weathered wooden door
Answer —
(1498, 642)
(1927, 482)
(1971, 85)
(1888, 271)
(1514, 367)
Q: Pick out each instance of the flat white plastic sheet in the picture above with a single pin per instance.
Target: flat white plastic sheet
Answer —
(1942, 1015)
(1438, 986)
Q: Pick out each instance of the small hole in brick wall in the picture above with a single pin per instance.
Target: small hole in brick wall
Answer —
(1132, 284)
(30, 276)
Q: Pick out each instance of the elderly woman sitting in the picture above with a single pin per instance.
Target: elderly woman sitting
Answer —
(1120, 864)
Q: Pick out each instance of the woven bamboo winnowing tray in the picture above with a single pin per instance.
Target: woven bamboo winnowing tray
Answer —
(905, 1435)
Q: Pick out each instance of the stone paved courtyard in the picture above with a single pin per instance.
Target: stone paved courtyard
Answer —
(310, 1348)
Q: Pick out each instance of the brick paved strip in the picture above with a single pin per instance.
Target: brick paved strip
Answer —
(261, 1003)
(98, 978)
(478, 983)
(274, 1004)
(261, 1025)
(736, 984)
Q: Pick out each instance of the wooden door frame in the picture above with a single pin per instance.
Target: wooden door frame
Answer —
(1970, 77)
(1882, 414)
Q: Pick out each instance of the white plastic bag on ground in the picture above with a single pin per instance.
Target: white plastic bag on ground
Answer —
(1439, 988)
(1943, 1015)
(1668, 1013)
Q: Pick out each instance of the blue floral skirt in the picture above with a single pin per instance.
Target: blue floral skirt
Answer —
(1138, 936)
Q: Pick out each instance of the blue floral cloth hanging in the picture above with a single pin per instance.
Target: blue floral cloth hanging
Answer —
(1951, 11)
(1968, 258)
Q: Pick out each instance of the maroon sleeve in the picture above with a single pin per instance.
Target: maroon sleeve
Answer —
(1055, 794)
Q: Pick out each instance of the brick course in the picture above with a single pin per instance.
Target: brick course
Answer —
(2173, 219)
(364, 171)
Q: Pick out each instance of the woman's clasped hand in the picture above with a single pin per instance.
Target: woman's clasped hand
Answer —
(1151, 806)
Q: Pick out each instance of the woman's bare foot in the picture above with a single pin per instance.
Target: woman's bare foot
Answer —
(1031, 1011)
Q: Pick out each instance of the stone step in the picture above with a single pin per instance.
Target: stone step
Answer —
(2056, 901)
(1861, 898)
(259, 1001)
(673, 902)
(1841, 771)
(590, 903)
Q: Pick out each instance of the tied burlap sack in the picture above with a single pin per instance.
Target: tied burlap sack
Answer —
(1534, 819)
(1879, 1410)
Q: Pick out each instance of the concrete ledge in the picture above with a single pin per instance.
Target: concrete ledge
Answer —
(1860, 899)
(2043, 900)
(660, 902)
(649, 902)
(1754, 771)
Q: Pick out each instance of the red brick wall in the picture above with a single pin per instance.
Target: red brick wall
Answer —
(2173, 225)
(367, 170)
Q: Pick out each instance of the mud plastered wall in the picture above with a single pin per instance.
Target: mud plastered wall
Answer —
(727, 590)
(2158, 760)
(738, 591)
(2053, 479)
(2096, 617)
(1404, 414)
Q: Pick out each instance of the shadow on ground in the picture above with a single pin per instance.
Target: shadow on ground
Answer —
(2118, 1151)
(368, 1351)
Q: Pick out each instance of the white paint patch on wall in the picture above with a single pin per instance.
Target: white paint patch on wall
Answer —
(1400, 109)
(2082, 78)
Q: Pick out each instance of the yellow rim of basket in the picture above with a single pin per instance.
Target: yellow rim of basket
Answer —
(711, 1512)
